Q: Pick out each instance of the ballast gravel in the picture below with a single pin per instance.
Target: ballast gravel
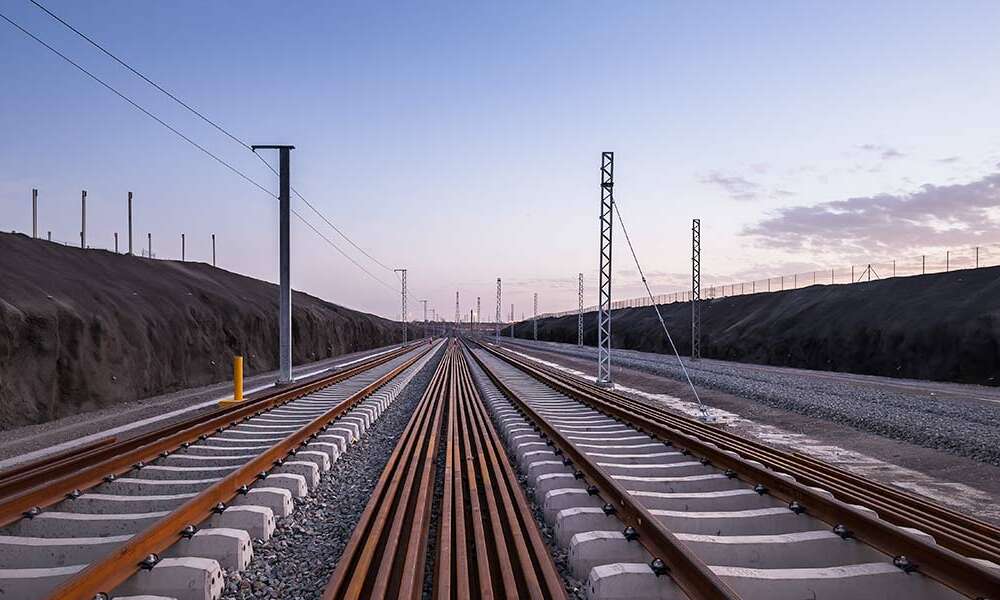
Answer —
(296, 563)
(962, 428)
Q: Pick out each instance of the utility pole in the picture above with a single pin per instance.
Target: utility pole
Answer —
(696, 289)
(425, 316)
(511, 321)
(83, 219)
(472, 321)
(479, 315)
(403, 292)
(534, 321)
(604, 280)
(213, 249)
(34, 214)
(183, 248)
(579, 315)
(149, 242)
(284, 260)
(130, 223)
(497, 324)
(458, 313)
(116, 242)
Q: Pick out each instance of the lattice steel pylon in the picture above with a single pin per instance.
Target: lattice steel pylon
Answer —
(425, 317)
(479, 316)
(604, 280)
(695, 289)
(534, 320)
(579, 316)
(403, 291)
(458, 314)
(497, 324)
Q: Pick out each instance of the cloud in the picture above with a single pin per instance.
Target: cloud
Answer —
(884, 152)
(738, 187)
(932, 216)
(949, 159)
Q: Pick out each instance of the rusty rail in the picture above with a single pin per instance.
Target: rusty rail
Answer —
(105, 575)
(49, 484)
(936, 561)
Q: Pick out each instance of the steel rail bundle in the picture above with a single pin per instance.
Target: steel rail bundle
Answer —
(745, 459)
(385, 555)
(956, 531)
(47, 481)
(97, 579)
(488, 544)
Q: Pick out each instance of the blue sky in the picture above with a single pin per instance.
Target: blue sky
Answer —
(462, 140)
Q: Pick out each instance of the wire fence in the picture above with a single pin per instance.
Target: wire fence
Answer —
(949, 260)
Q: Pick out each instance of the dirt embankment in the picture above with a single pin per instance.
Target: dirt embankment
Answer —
(85, 329)
(942, 327)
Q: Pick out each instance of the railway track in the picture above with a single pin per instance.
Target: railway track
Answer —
(488, 544)
(164, 513)
(644, 504)
(650, 504)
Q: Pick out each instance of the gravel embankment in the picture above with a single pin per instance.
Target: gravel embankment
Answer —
(962, 428)
(296, 563)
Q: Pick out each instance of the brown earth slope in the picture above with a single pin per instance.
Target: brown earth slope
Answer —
(942, 327)
(85, 329)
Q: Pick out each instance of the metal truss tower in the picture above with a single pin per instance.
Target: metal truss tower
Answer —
(534, 320)
(497, 324)
(425, 317)
(403, 292)
(479, 315)
(604, 283)
(458, 313)
(579, 316)
(696, 289)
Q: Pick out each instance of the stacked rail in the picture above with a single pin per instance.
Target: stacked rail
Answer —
(81, 526)
(488, 545)
(665, 506)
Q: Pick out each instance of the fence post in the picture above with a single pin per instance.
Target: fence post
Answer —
(923, 264)
(832, 281)
(852, 273)
(116, 242)
(947, 260)
(977, 257)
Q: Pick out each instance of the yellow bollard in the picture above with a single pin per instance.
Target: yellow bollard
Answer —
(237, 383)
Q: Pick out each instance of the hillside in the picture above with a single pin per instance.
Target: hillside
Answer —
(943, 327)
(81, 330)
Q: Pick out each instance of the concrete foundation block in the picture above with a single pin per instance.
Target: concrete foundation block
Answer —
(630, 581)
(257, 521)
(308, 470)
(231, 548)
(279, 500)
(181, 578)
(592, 548)
(294, 483)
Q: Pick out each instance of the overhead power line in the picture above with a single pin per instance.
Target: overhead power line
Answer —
(207, 152)
(201, 116)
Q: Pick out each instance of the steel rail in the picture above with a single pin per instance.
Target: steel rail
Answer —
(688, 571)
(44, 487)
(105, 575)
(938, 562)
(502, 554)
(385, 555)
(953, 530)
(46, 461)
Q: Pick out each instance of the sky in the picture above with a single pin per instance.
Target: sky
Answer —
(462, 141)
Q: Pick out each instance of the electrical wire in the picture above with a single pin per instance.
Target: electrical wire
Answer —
(701, 406)
(220, 128)
(176, 132)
